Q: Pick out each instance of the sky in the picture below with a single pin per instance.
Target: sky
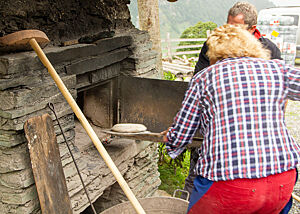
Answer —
(286, 2)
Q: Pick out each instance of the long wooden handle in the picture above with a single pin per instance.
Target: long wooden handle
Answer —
(296, 197)
(109, 162)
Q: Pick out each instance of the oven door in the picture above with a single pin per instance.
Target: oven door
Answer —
(151, 102)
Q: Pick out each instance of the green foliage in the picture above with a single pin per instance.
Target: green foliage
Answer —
(197, 31)
(172, 171)
(169, 76)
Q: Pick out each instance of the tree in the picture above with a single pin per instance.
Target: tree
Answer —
(197, 31)
(149, 21)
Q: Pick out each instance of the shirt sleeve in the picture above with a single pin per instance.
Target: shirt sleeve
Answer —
(203, 60)
(268, 44)
(293, 78)
(185, 123)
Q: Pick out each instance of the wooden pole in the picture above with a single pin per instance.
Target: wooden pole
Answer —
(168, 40)
(296, 197)
(149, 21)
(109, 162)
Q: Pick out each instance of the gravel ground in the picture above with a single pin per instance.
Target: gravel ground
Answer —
(292, 117)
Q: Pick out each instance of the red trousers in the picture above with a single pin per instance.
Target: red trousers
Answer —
(260, 196)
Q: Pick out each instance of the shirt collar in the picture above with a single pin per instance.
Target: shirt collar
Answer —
(257, 34)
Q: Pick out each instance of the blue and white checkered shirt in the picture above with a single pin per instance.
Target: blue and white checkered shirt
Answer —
(238, 105)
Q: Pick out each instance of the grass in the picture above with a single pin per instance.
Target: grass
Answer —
(172, 172)
(172, 176)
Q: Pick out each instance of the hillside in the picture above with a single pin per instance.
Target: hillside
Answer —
(176, 17)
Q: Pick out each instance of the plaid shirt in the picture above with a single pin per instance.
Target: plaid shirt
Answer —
(238, 106)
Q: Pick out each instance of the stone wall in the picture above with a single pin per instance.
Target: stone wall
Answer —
(141, 176)
(26, 88)
(64, 20)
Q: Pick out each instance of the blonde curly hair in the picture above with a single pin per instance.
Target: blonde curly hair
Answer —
(229, 41)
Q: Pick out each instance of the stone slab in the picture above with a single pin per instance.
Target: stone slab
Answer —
(33, 107)
(31, 207)
(25, 61)
(11, 138)
(14, 159)
(75, 52)
(16, 82)
(62, 109)
(106, 73)
(98, 62)
(83, 80)
(17, 179)
(20, 196)
(26, 96)
(70, 135)
(18, 62)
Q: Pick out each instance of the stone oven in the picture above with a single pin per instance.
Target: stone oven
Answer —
(92, 43)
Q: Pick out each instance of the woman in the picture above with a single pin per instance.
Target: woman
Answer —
(247, 163)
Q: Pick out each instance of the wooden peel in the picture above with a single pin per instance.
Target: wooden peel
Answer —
(151, 136)
(17, 41)
(296, 197)
(146, 135)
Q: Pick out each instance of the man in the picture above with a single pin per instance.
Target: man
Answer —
(240, 13)
(247, 162)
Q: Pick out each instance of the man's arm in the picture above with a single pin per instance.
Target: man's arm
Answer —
(185, 123)
(268, 44)
(293, 77)
(203, 60)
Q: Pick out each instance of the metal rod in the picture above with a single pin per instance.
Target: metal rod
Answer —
(51, 107)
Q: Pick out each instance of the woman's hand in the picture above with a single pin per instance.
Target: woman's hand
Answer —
(164, 133)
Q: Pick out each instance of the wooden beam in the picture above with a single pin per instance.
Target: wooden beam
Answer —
(46, 165)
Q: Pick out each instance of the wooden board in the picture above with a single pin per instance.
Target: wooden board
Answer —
(150, 136)
(46, 165)
(19, 41)
(146, 135)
